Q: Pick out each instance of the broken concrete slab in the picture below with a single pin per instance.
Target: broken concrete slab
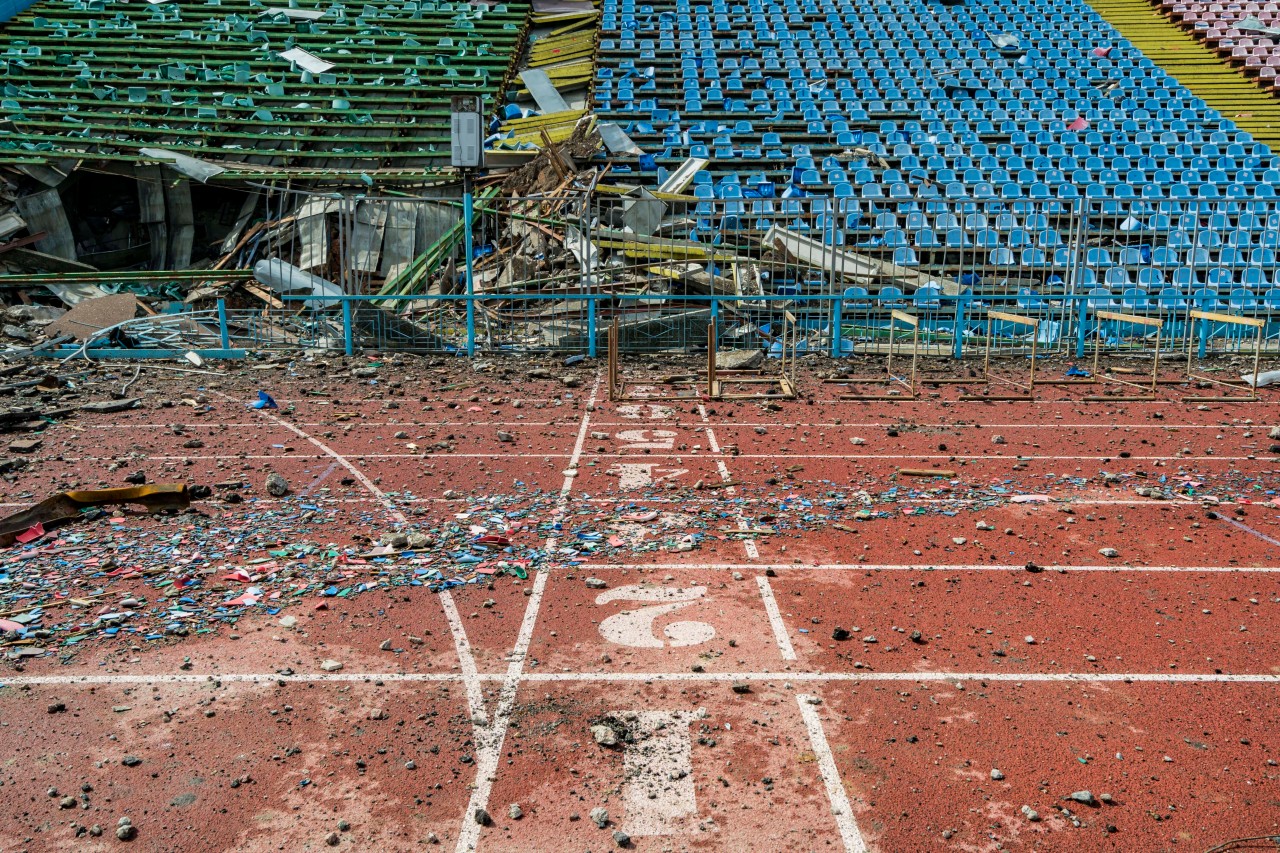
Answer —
(739, 359)
(107, 407)
(33, 313)
(91, 316)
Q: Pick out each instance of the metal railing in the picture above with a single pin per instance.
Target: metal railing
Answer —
(951, 326)
(549, 272)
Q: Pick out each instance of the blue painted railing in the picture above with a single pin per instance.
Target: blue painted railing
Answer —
(837, 326)
(834, 324)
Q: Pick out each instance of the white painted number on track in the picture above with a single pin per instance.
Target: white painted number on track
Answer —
(644, 474)
(647, 439)
(636, 627)
(649, 411)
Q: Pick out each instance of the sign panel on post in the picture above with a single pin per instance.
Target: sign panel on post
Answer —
(466, 140)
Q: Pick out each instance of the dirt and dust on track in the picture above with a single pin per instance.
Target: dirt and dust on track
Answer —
(495, 611)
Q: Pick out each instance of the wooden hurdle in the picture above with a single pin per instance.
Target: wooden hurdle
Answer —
(773, 386)
(684, 386)
(890, 378)
(1149, 388)
(1192, 376)
(1029, 388)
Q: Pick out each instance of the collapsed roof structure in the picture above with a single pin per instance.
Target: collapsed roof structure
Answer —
(636, 156)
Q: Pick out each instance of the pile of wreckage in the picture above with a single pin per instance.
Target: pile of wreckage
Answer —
(176, 253)
(547, 233)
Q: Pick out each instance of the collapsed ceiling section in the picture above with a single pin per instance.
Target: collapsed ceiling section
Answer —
(324, 92)
(231, 152)
(139, 138)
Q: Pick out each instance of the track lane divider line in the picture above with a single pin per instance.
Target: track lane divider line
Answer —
(489, 742)
(841, 808)
(466, 660)
(780, 635)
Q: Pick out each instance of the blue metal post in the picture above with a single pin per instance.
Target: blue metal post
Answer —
(1204, 338)
(591, 328)
(957, 343)
(1081, 322)
(348, 340)
(836, 321)
(222, 324)
(466, 248)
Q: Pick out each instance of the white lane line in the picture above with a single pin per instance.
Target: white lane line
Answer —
(343, 424)
(1026, 457)
(933, 567)
(466, 661)
(326, 450)
(372, 678)
(714, 448)
(1040, 402)
(315, 484)
(625, 500)
(632, 477)
(229, 678)
(658, 757)
(748, 543)
(489, 743)
(851, 457)
(1053, 677)
(1247, 529)
(901, 425)
(495, 455)
(775, 619)
(1185, 500)
(841, 809)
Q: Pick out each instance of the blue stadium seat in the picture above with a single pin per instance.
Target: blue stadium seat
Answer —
(979, 151)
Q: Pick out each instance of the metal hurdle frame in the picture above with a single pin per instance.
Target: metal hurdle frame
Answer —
(691, 383)
(989, 379)
(1192, 376)
(910, 383)
(785, 384)
(1148, 322)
